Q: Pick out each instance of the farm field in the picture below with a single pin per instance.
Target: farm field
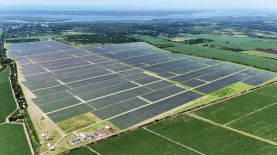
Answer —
(254, 112)
(224, 112)
(13, 139)
(243, 43)
(208, 138)
(8, 104)
(67, 82)
(139, 142)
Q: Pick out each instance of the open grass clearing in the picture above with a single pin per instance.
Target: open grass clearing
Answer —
(64, 142)
(78, 122)
(94, 127)
(42, 125)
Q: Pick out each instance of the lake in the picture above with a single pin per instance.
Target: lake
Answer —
(84, 18)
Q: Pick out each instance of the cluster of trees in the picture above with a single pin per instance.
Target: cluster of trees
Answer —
(32, 132)
(16, 117)
(23, 105)
(197, 41)
(3, 59)
(164, 45)
(90, 39)
(17, 88)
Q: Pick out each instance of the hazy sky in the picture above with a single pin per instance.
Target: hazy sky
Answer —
(139, 4)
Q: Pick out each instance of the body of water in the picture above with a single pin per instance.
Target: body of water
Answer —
(84, 18)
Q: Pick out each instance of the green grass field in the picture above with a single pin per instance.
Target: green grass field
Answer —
(1, 31)
(7, 103)
(208, 138)
(13, 140)
(140, 142)
(42, 38)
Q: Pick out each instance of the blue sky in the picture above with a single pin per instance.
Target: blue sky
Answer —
(138, 4)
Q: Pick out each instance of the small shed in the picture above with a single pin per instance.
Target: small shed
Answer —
(43, 135)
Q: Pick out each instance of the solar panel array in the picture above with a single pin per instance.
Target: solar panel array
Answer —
(68, 81)
(187, 70)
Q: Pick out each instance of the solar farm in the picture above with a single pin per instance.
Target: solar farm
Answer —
(125, 84)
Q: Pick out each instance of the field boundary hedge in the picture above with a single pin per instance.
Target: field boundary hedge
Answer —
(171, 116)
(19, 95)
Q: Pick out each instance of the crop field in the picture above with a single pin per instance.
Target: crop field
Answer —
(7, 103)
(244, 43)
(139, 142)
(208, 138)
(254, 112)
(68, 81)
(235, 108)
(13, 139)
